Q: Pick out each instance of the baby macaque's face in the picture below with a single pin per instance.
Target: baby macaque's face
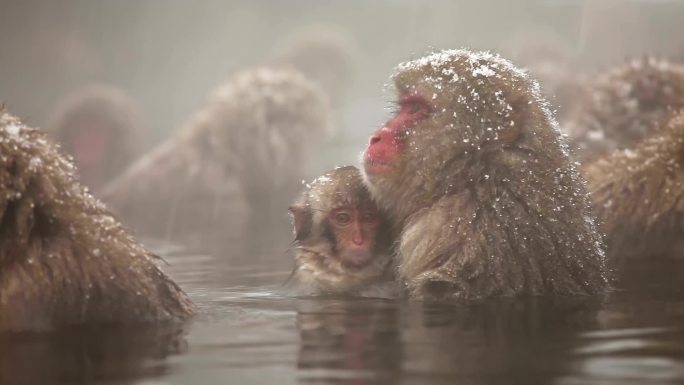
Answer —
(355, 229)
(342, 241)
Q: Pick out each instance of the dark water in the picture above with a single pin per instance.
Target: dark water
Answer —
(248, 333)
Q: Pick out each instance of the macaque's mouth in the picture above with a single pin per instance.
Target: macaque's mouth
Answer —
(356, 259)
(377, 167)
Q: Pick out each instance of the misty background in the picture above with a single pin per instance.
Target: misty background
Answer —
(170, 54)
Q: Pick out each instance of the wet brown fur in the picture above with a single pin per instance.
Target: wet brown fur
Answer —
(238, 160)
(63, 258)
(317, 269)
(638, 194)
(621, 107)
(485, 194)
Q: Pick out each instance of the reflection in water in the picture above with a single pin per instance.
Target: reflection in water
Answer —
(247, 332)
(504, 341)
(365, 342)
(640, 338)
(630, 355)
(103, 355)
(348, 342)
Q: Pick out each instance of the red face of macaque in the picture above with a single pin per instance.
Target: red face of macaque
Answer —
(355, 230)
(89, 145)
(383, 153)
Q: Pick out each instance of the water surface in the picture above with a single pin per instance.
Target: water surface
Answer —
(248, 332)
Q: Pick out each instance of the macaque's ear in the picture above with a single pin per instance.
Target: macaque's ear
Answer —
(302, 218)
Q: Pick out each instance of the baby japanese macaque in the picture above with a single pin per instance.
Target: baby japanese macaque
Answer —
(342, 241)
(64, 259)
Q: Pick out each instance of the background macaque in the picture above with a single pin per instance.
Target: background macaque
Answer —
(622, 106)
(322, 53)
(637, 194)
(63, 258)
(329, 56)
(100, 126)
(238, 160)
(474, 173)
(342, 241)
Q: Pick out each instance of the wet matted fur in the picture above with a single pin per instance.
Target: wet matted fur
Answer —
(64, 259)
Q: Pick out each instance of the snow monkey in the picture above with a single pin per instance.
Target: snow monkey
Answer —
(323, 53)
(342, 241)
(473, 172)
(100, 126)
(234, 166)
(64, 259)
(637, 194)
(621, 107)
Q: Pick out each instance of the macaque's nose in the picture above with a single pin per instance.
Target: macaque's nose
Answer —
(357, 239)
(379, 136)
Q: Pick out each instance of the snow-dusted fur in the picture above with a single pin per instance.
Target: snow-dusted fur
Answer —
(318, 269)
(64, 259)
(487, 199)
(638, 194)
(624, 105)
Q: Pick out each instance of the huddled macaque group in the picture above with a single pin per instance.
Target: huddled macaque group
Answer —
(477, 186)
(482, 196)
(64, 259)
(468, 191)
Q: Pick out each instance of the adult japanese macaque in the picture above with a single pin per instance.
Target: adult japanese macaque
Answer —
(342, 241)
(100, 126)
(64, 259)
(235, 165)
(473, 171)
(638, 194)
(622, 106)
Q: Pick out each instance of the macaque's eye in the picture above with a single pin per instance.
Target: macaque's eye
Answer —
(413, 108)
(414, 105)
(342, 218)
(369, 217)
